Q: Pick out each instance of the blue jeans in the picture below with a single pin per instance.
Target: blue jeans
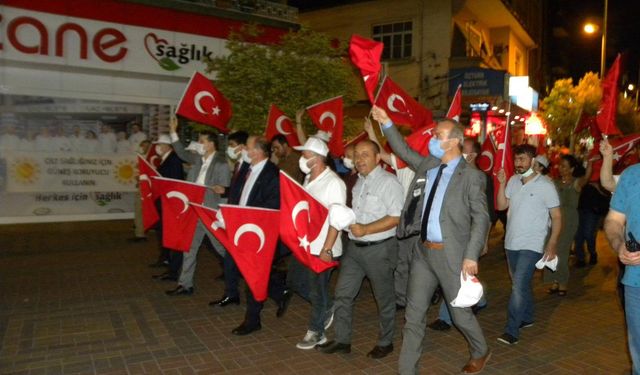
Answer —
(632, 312)
(445, 315)
(587, 231)
(522, 265)
(320, 299)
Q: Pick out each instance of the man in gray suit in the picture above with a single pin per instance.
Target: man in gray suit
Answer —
(209, 168)
(446, 204)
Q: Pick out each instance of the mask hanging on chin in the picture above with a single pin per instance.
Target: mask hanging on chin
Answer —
(199, 149)
(527, 173)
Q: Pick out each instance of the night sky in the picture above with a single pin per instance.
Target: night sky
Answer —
(577, 52)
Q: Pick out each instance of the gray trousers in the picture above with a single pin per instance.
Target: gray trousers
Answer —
(189, 260)
(428, 269)
(401, 273)
(376, 263)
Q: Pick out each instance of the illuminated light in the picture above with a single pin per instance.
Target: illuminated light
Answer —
(517, 117)
(507, 114)
(534, 125)
(631, 87)
(513, 122)
(501, 110)
(494, 108)
(590, 28)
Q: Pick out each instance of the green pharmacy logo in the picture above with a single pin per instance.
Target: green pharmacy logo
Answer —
(170, 57)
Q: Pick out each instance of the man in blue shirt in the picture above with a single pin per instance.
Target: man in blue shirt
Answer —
(624, 218)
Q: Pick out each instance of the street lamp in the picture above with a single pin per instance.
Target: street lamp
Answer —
(591, 28)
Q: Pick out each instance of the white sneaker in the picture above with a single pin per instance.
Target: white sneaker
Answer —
(310, 340)
(329, 321)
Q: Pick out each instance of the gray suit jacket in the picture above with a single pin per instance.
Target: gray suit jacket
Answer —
(217, 174)
(464, 217)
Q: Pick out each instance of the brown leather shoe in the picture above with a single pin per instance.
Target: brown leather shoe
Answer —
(380, 351)
(476, 365)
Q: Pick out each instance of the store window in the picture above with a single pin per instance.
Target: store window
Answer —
(397, 38)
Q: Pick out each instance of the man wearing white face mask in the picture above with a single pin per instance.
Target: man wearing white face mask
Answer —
(327, 187)
(532, 201)
(209, 168)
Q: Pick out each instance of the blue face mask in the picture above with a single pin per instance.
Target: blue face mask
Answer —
(435, 148)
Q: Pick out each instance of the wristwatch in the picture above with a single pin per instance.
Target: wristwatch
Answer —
(329, 252)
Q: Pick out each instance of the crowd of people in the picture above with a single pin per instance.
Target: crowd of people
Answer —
(420, 228)
(54, 139)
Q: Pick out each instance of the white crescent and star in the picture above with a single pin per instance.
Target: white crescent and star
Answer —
(144, 177)
(330, 115)
(180, 196)
(198, 97)
(299, 207)
(391, 101)
(279, 121)
(490, 156)
(250, 227)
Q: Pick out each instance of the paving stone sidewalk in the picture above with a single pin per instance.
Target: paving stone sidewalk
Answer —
(78, 298)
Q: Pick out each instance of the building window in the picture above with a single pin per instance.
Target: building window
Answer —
(397, 39)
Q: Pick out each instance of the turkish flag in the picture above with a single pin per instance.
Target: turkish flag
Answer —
(484, 161)
(357, 139)
(203, 103)
(365, 54)
(401, 107)
(178, 221)
(503, 156)
(327, 116)
(279, 123)
(623, 154)
(148, 196)
(252, 235)
(210, 218)
(419, 142)
(588, 122)
(455, 110)
(606, 117)
(304, 224)
(152, 157)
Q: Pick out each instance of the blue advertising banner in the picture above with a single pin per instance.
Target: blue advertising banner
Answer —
(477, 82)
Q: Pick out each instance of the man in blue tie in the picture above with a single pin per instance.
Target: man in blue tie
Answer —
(447, 205)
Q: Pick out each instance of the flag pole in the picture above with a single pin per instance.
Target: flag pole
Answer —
(506, 136)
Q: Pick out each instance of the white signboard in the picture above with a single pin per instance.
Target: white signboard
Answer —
(38, 172)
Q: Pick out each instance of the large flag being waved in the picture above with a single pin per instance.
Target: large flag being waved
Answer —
(365, 54)
(487, 155)
(419, 142)
(148, 195)
(203, 103)
(623, 154)
(252, 236)
(178, 221)
(606, 117)
(401, 107)
(455, 109)
(279, 123)
(304, 224)
(327, 116)
(586, 121)
(153, 158)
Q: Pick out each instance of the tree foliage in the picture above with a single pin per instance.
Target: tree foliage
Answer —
(301, 70)
(566, 101)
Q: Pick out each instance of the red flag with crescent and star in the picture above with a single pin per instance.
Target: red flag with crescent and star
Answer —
(279, 123)
(455, 110)
(178, 221)
(148, 195)
(210, 219)
(503, 156)
(304, 224)
(623, 155)
(203, 103)
(365, 54)
(401, 107)
(606, 117)
(251, 239)
(419, 142)
(327, 116)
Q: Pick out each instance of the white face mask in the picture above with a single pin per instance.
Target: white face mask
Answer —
(232, 152)
(158, 149)
(465, 156)
(348, 163)
(199, 149)
(303, 164)
(527, 173)
(245, 156)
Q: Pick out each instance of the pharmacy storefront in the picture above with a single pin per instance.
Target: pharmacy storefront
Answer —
(82, 83)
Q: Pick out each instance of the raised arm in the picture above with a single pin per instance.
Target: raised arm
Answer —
(299, 131)
(384, 155)
(175, 142)
(396, 140)
(606, 171)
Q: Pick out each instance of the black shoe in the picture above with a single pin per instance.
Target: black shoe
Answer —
(580, 264)
(165, 277)
(380, 351)
(508, 339)
(526, 324)
(245, 329)
(476, 309)
(400, 307)
(137, 239)
(439, 325)
(180, 291)
(593, 261)
(334, 347)
(224, 301)
(158, 264)
(284, 303)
